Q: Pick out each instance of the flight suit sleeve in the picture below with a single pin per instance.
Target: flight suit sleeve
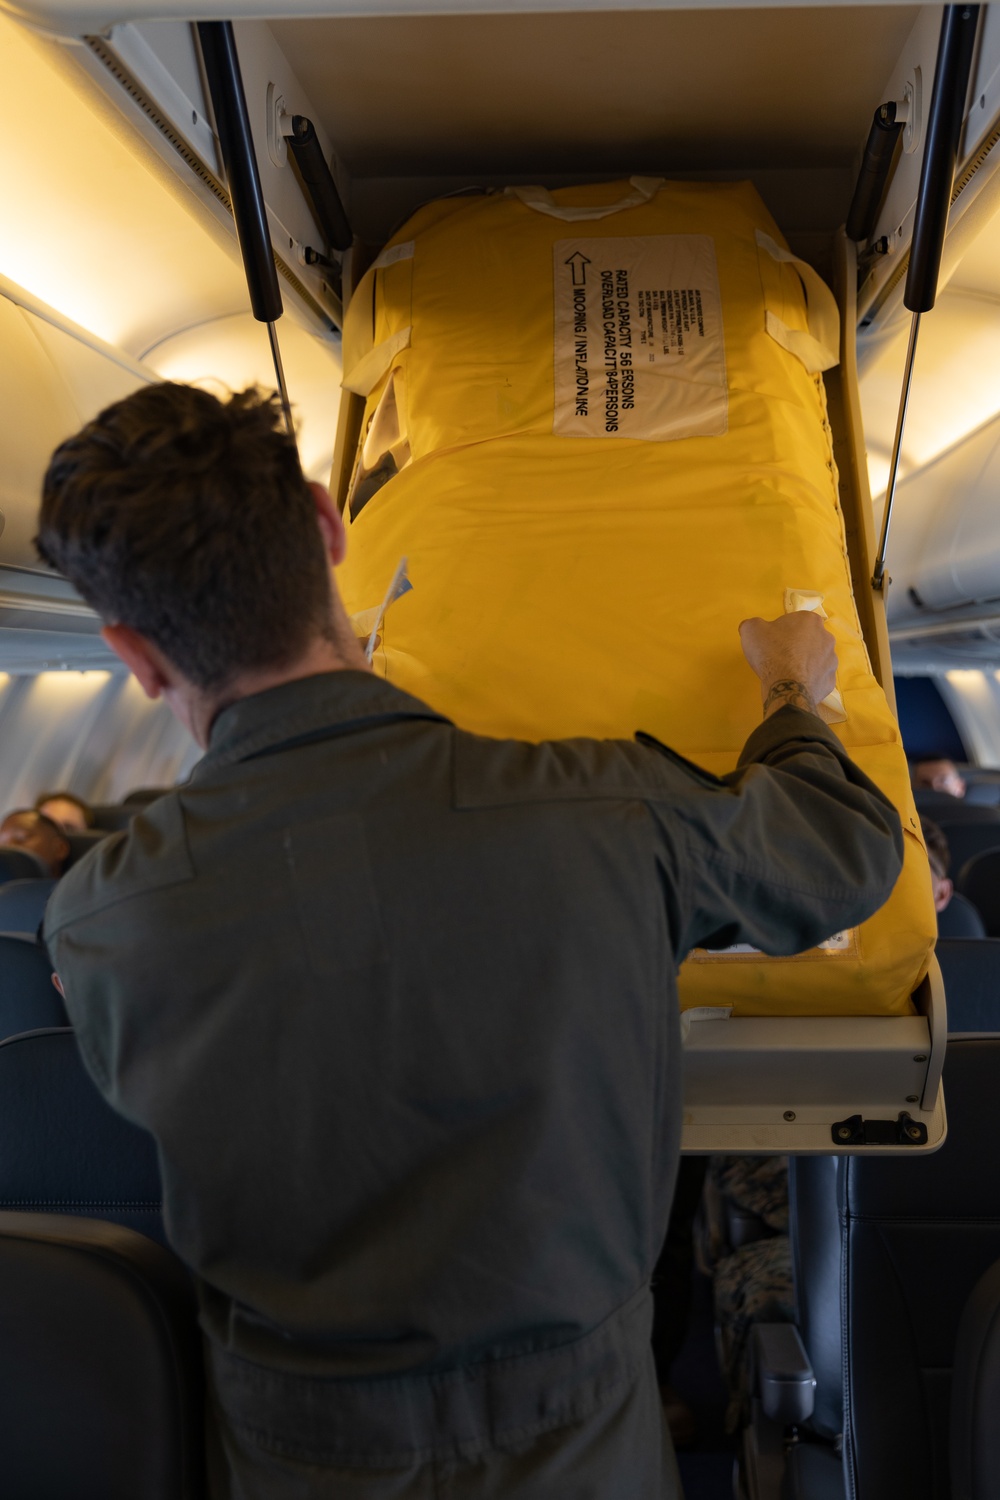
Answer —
(794, 845)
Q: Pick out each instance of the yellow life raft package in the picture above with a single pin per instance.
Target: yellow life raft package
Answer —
(595, 427)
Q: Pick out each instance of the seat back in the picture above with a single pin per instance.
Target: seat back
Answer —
(22, 905)
(960, 919)
(981, 793)
(62, 1148)
(82, 843)
(112, 817)
(100, 1364)
(944, 808)
(975, 1394)
(979, 881)
(28, 998)
(18, 864)
(970, 968)
(966, 842)
(916, 1235)
(814, 1228)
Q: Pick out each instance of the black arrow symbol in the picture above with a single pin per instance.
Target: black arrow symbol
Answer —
(583, 260)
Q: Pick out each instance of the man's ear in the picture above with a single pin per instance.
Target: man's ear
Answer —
(140, 656)
(331, 524)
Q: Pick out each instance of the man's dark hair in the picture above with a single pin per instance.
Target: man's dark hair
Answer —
(189, 520)
(938, 853)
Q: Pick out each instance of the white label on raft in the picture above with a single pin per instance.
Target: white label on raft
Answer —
(841, 945)
(639, 349)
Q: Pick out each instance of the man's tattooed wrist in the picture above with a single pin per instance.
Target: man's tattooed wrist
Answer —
(787, 691)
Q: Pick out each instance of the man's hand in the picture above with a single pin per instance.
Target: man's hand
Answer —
(795, 658)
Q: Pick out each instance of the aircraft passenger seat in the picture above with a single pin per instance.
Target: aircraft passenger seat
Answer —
(970, 968)
(960, 919)
(966, 841)
(18, 864)
(886, 1251)
(979, 882)
(975, 1396)
(22, 906)
(112, 817)
(28, 998)
(947, 809)
(82, 843)
(100, 1364)
(100, 1357)
(62, 1148)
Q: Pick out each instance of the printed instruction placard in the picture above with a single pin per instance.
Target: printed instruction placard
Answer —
(639, 349)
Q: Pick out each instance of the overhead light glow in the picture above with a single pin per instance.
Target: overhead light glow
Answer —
(970, 684)
(955, 387)
(86, 226)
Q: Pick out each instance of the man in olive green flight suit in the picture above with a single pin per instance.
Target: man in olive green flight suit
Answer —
(398, 1002)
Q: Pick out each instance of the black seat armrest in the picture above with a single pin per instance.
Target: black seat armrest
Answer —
(782, 1376)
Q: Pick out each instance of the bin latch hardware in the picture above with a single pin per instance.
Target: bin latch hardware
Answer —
(857, 1131)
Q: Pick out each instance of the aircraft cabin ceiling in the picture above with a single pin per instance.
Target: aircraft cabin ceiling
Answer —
(412, 99)
(634, 91)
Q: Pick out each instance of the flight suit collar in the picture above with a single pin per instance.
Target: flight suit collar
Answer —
(319, 707)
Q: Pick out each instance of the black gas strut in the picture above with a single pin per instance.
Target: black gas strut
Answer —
(317, 180)
(225, 84)
(879, 149)
(937, 178)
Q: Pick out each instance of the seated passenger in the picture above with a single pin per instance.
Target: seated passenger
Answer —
(36, 834)
(939, 775)
(939, 859)
(71, 813)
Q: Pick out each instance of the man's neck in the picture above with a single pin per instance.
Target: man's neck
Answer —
(340, 653)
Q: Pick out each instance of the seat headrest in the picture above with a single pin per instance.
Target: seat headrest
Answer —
(28, 998)
(18, 864)
(62, 1147)
(100, 1363)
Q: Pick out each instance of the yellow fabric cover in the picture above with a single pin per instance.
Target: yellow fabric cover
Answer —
(593, 585)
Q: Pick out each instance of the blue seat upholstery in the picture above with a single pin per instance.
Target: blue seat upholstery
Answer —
(960, 919)
(22, 905)
(62, 1148)
(100, 1364)
(981, 793)
(970, 968)
(815, 1241)
(979, 881)
(966, 841)
(28, 998)
(18, 864)
(913, 1237)
(975, 1394)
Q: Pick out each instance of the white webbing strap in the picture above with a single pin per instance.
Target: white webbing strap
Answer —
(394, 253)
(541, 199)
(365, 362)
(364, 376)
(818, 349)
